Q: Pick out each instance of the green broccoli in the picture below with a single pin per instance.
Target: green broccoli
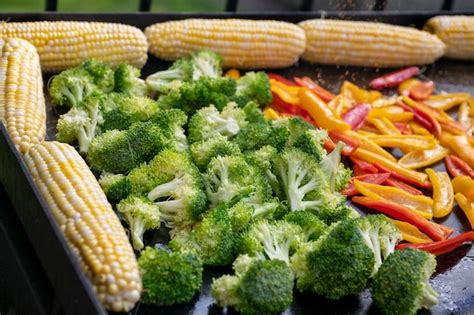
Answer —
(81, 123)
(208, 122)
(336, 173)
(70, 87)
(401, 286)
(204, 151)
(253, 114)
(171, 122)
(127, 81)
(206, 63)
(174, 184)
(141, 215)
(312, 143)
(258, 286)
(115, 186)
(171, 79)
(102, 74)
(336, 209)
(255, 86)
(312, 227)
(212, 238)
(261, 159)
(243, 213)
(271, 240)
(120, 151)
(168, 277)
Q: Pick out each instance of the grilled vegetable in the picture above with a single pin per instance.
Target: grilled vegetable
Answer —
(22, 107)
(247, 44)
(88, 222)
(368, 44)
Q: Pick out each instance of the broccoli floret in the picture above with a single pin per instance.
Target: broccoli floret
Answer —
(141, 215)
(261, 159)
(81, 123)
(206, 63)
(212, 238)
(271, 240)
(336, 173)
(168, 277)
(127, 81)
(115, 186)
(120, 151)
(401, 286)
(243, 213)
(253, 114)
(254, 136)
(171, 79)
(229, 177)
(256, 86)
(204, 151)
(258, 286)
(294, 127)
(174, 184)
(312, 227)
(71, 87)
(208, 122)
(336, 210)
(312, 143)
(171, 122)
(102, 74)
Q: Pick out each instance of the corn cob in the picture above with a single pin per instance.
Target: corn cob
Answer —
(22, 106)
(457, 32)
(368, 44)
(244, 44)
(88, 222)
(63, 44)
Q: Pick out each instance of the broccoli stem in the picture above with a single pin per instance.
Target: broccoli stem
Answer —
(430, 296)
(87, 132)
(137, 229)
(226, 127)
(169, 210)
(166, 189)
(262, 210)
(273, 249)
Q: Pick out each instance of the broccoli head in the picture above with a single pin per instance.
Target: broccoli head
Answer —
(115, 186)
(127, 81)
(204, 151)
(258, 286)
(206, 63)
(141, 215)
(312, 143)
(335, 210)
(169, 277)
(244, 213)
(171, 122)
(261, 159)
(255, 86)
(336, 173)
(401, 286)
(311, 226)
(294, 127)
(70, 87)
(171, 79)
(102, 74)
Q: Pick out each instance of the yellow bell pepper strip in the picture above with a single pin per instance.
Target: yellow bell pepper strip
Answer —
(421, 158)
(405, 86)
(320, 112)
(462, 147)
(340, 104)
(392, 113)
(443, 195)
(465, 186)
(471, 107)
(289, 94)
(385, 101)
(420, 204)
(417, 129)
(385, 126)
(467, 207)
(410, 233)
(447, 101)
(405, 142)
(465, 120)
(369, 145)
(358, 94)
(270, 114)
(233, 73)
(409, 176)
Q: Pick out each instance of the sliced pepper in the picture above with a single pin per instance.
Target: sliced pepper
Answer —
(467, 207)
(319, 111)
(366, 168)
(465, 186)
(367, 178)
(349, 142)
(410, 233)
(453, 127)
(420, 204)
(422, 90)
(233, 73)
(385, 126)
(443, 196)
(441, 247)
(462, 147)
(457, 167)
(324, 94)
(359, 95)
(418, 129)
(394, 78)
(329, 146)
(392, 113)
(408, 188)
(367, 144)
(421, 115)
(283, 107)
(464, 118)
(403, 127)
(406, 142)
(447, 101)
(270, 114)
(287, 93)
(357, 115)
(405, 86)
(421, 158)
(340, 104)
(435, 231)
(281, 79)
(403, 178)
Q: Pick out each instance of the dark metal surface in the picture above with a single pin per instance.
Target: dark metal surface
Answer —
(455, 273)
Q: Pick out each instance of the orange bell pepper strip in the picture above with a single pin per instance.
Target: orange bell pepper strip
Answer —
(467, 207)
(324, 94)
(410, 233)
(435, 231)
(385, 126)
(407, 175)
(465, 186)
(462, 147)
(420, 204)
(233, 73)
(399, 184)
(421, 158)
(422, 90)
(393, 113)
(369, 145)
(457, 167)
(320, 112)
(405, 142)
(441, 247)
(418, 129)
(358, 94)
(405, 86)
(447, 101)
(443, 195)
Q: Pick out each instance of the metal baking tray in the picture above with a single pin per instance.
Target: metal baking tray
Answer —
(454, 277)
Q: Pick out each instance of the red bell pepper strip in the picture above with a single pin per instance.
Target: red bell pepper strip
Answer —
(367, 178)
(324, 94)
(395, 175)
(366, 167)
(350, 143)
(408, 188)
(284, 107)
(281, 79)
(403, 127)
(329, 145)
(394, 78)
(423, 118)
(457, 167)
(441, 247)
(357, 115)
(394, 210)
(422, 90)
